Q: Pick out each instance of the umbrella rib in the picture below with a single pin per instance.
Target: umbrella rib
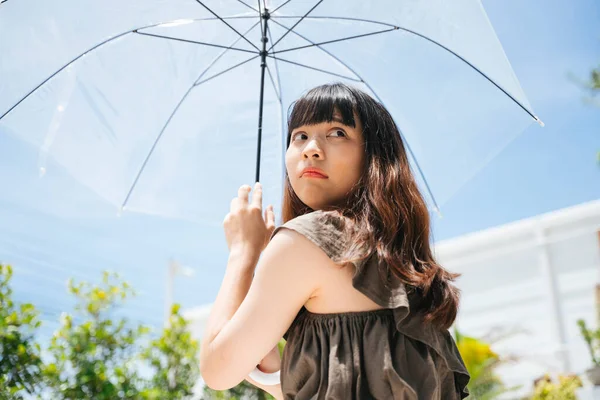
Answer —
(225, 22)
(260, 15)
(273, 83)
(283, 141)
(336, 18)
(296, 24)
(412, 155)
(224, 71)
(276, 68)
(223, 53)
(314, 68)
(423, 37)
(194, 42)
(336, 40)
(137, 177)
(275, 10)
(62, 68)
(247, 5)
(92, 49)
(158, 137)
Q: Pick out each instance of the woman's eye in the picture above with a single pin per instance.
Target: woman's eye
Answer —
(298, 136)
(338, 133)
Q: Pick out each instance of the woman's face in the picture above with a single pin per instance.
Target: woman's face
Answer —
(336, 153)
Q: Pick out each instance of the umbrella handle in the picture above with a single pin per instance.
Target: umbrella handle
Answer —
(264, 378)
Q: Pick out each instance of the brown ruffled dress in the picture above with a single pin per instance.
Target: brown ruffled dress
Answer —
(384, 354)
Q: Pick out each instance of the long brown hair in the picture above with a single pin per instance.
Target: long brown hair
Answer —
(386, 205)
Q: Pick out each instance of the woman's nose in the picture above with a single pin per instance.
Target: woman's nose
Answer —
(313, 150)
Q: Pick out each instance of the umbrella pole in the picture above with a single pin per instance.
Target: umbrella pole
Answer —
(263, 65)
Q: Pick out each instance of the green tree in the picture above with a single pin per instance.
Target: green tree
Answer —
(173, 358)
(94, 357)
(20, 362)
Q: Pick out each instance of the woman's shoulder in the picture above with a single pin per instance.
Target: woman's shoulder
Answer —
(321, 219)
(326, 229)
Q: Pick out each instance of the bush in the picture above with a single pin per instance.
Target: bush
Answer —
(564, 389)
(20, 362)
(94, 357)
(481, 362)
(592, 340)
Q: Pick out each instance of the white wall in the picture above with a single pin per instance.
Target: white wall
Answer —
(537, 276)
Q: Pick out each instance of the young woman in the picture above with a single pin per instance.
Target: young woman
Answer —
(349, 279)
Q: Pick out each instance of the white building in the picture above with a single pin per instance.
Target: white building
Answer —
(537, 276)
(534, 277)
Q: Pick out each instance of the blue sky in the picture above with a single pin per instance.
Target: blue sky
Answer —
(542, 170)
(548, 168)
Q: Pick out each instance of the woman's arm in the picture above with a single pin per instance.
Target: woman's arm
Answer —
(235, 286)
(237, 340)
(238, 290)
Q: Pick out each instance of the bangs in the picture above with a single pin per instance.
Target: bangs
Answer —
(320, 104)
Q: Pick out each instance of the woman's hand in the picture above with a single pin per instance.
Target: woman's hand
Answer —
(246, 229)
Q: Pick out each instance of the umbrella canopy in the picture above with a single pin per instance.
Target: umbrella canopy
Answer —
(155, 104)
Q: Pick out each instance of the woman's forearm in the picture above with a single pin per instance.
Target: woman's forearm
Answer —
(234, 288)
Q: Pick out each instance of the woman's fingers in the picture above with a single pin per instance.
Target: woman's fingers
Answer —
(244, 224)
(243, 192)
(257, 196)
(242, 200)
(270, 217)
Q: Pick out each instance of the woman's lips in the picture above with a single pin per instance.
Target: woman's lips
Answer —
(313, 175)
(311, 172)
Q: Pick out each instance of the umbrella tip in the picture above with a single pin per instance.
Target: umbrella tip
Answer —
(120, 211)
(439, 212)
(540, 122)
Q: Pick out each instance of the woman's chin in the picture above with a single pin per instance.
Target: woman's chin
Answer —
(317, 205)
(315, 199)
(310, 202)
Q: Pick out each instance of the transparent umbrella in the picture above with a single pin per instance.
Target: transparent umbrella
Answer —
(155, 104)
